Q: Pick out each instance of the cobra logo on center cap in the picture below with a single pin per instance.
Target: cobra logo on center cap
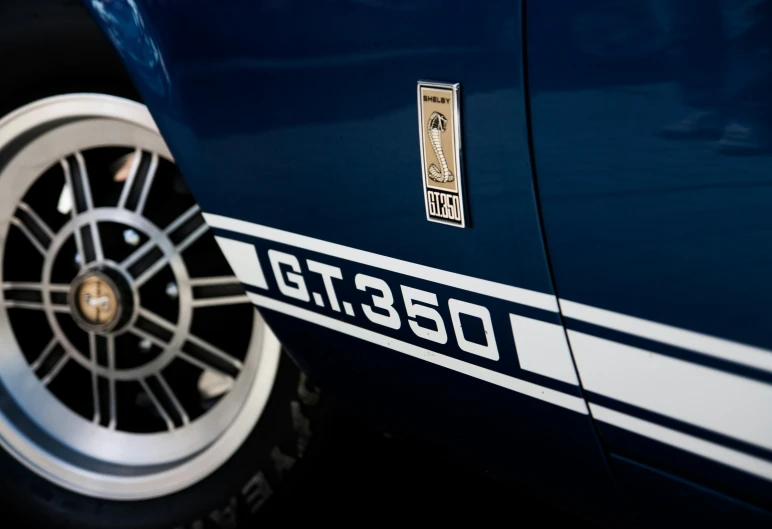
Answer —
(95, 302)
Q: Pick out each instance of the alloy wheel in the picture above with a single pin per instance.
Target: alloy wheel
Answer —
(132, 364)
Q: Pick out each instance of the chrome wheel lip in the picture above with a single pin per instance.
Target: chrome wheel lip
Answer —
(171, 472)
(162, 483)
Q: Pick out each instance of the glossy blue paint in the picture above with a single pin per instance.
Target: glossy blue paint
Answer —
(302, 116)
(644, 216)
(665, 501)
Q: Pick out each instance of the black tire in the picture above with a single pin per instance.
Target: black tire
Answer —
(48, 48)
(237, 495)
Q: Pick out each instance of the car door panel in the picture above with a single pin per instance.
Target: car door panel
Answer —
(658, 233)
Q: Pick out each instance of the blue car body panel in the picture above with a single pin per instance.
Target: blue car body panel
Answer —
(669, 230)
(295, 126)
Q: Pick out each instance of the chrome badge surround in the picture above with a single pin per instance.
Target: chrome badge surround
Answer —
(439, 126)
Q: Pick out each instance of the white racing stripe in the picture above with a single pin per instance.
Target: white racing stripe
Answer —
(242, 258)
(729, 404)
(694, 341)
(715, 400)
(542, 348)
(523, 387)
(523, 296)
(726, 456)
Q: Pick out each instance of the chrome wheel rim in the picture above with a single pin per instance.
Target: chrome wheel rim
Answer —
(96, 295)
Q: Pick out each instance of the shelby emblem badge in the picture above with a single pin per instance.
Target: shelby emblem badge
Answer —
(439, 126)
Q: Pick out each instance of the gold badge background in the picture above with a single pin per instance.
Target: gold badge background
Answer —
(448, 137)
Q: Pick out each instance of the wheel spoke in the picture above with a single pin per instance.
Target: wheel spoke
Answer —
(33, 227)
(112, 399)
(39, 246)
(43, 356)
(187, 228)
(210, 356)
(179, 410)
(87, 241)
(145, 262)
(36, 287)
(193, 237)
(35, 305)
(68, 179)
(151, 271)
(197, 343)
(138, 254)
(214, 291)
(148, 336)
(75, 175)
(137, 186)
(30, 295)
(157, 404)
(195, 350)
(204, 365)
(55, 370)
(50, 361)
(225, 300)
(158, 320)
(149, 259)
(211, 349)
(179, 221)
(213, 281)
(94, 378)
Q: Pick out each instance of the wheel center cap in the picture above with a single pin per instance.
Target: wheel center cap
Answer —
(96, 299)
(97, 302)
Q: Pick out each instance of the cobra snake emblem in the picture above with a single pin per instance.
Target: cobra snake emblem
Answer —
(437, 123)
